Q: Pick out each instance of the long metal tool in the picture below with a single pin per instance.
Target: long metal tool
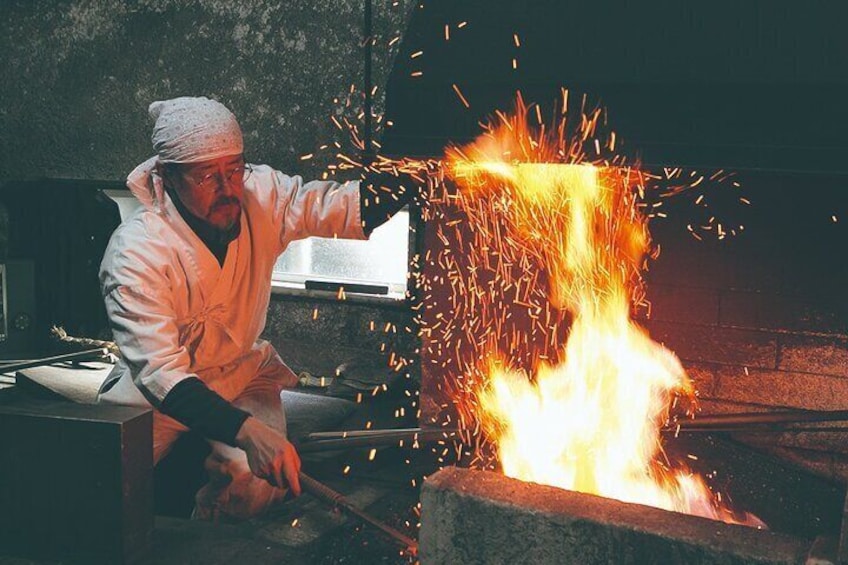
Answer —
(100, 352)
(329, 441)
(754, 421)
(781, 421)
(323, 492)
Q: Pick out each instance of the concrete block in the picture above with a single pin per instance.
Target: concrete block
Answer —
(783, 389)
(481, 517)
(812, 354)
(704, 376)
(690, 342)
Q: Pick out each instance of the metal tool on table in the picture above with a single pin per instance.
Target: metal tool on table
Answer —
(329, 441)
(88, 355)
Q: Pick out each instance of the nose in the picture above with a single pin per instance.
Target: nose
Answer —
(225, 185)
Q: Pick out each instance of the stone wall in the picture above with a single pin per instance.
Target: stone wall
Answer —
(761, 320)
(81, 75)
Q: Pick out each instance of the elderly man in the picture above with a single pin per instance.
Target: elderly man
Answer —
(187, 280)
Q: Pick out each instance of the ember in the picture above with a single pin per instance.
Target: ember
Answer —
(584, 413)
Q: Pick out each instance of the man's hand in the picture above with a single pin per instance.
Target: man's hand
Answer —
(270, 455)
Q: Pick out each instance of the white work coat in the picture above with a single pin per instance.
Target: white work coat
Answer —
(176, 313)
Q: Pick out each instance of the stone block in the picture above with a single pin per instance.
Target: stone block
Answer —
(482, 517)
(341, 323)
(717, 345)
(813, 354)
(782, 389)
(704, 376)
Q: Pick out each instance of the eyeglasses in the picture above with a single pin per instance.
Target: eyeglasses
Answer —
(239, 174)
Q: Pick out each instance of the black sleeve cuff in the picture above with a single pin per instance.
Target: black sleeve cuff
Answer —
(202, 410)
(381, 195)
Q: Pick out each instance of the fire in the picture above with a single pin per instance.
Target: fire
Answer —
(592, 421)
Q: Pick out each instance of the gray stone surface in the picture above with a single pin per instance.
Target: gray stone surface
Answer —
(80, 75)
(782, 389)
(483, 517)
(692, 342)
(814, 354)
(341, 323)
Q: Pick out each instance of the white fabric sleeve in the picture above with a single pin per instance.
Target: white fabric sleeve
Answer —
(143, 325)
(317, 208)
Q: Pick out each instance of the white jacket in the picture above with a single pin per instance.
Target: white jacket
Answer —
(176, 313)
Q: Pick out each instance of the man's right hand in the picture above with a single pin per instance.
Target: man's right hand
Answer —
(269, 454)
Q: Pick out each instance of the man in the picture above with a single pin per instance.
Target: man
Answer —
(187, 281)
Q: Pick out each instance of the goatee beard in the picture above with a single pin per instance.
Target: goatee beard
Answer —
(227, 235)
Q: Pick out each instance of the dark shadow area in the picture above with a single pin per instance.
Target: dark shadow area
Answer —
(787, 498)
(61, 228)
(720, 84)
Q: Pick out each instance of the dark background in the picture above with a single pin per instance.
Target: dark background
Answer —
(750, 84)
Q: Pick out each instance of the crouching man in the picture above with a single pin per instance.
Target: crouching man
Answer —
(187, 282)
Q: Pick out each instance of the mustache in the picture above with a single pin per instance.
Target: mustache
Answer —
(229, 201)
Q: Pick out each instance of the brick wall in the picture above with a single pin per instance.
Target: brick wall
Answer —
(761, 321)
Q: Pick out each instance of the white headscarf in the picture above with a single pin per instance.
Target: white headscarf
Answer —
(189, 130)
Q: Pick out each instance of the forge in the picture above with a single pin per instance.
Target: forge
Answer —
(485, 517)
(474, 516)
(742, 285)
(539, 321)
(788, 477)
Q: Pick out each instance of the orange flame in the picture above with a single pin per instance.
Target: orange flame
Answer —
(591, 423)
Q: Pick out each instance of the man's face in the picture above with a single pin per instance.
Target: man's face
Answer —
(211, 190)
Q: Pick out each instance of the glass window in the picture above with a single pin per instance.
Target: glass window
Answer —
(376, 266)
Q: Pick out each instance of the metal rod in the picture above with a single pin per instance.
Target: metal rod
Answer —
(774, 422)
(759, 418)
(384, 437)
(759, 429)
(100, 352)
(379, 432)
(323, 492)
(357, 433)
